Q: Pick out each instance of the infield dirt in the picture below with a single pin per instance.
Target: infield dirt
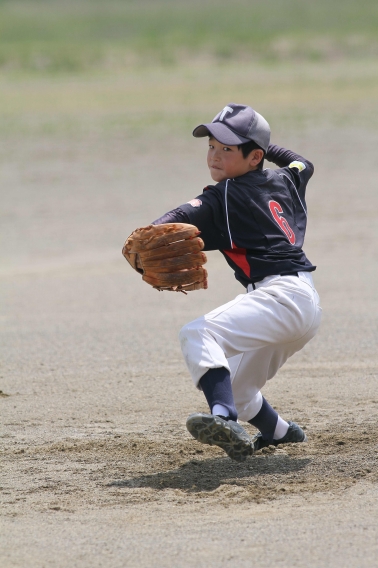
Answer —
(98, 468)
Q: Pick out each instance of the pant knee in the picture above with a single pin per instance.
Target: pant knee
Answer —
(184, 336)
(201, 352)
(188, 334)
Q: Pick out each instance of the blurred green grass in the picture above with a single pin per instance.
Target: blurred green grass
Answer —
(172, 100)
(135, 66)
(55, 36)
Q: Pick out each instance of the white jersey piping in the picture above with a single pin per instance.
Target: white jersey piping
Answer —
(296, 191)
(228, 224)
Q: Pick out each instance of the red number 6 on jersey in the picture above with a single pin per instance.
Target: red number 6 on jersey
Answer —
(276, 209)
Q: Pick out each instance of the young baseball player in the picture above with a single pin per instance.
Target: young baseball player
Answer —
(257, 218)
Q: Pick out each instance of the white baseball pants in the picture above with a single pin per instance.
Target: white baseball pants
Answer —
(253, 335)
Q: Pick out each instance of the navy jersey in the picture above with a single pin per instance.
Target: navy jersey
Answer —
(257, 220)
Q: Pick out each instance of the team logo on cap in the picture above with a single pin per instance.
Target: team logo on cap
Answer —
(225, 111)
(195, 202)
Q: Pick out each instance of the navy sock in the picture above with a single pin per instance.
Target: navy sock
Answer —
(265, 421)
(216, 386)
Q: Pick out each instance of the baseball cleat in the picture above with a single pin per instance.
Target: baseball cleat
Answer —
(293, 435)
(217, 431)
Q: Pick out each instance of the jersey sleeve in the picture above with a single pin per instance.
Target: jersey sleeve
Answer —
(175, 216)
(299, 169)
(206, 213)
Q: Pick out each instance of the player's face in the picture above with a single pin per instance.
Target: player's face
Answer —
(226, 162)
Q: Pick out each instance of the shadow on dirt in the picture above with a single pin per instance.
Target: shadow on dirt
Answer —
(208, 475)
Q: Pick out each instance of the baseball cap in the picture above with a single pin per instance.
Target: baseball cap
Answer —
(237, 124)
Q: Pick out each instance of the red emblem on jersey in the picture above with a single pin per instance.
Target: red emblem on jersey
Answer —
(276, 210)
(195, 202)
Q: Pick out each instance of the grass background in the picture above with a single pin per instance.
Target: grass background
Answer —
(94, 67)
(74, 36)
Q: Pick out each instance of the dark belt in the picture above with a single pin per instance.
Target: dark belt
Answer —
(289, 274)
(281, 274)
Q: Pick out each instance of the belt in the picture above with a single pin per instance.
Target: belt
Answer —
(257, 283)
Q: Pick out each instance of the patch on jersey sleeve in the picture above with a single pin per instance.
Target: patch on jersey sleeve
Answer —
(299, 165)
(195, 202)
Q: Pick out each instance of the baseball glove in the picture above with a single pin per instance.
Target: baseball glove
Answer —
(168, 256)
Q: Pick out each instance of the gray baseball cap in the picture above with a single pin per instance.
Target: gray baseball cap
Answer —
(237, 124)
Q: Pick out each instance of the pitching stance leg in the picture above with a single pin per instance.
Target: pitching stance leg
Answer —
(253, 335)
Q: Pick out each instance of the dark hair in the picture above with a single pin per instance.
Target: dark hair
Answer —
(247, 148)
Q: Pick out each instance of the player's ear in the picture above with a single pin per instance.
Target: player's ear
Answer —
(255, 157)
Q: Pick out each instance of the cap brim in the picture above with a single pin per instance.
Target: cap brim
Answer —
(220, 132)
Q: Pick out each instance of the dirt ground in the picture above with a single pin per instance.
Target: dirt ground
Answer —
(98, 469)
